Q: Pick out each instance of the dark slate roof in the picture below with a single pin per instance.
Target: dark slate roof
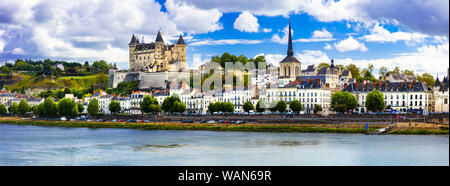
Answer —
(437, 83)
(387, 87)
(310, 68)
(159, 37)
(180, 40)
(445, 80)
(323, 70)
(145, 46)
(311, 84)
(306, 78)
(332, 64)
(397, 76)
(289, 59)
(133, 40)
(345, 73)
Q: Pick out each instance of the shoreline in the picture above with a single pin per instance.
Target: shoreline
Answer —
(289, 128)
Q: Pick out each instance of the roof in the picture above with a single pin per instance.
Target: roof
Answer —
(290, 59)
(437, 83)
(159, 37)
(133, 40)
(387, 87)
(345, 72)
(310, 68)
(180, 40)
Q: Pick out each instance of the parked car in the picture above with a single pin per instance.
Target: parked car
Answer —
(114, 120)
(211, 121)
(203, 121)
(63, 119)
(121, 120)
(232, 122)
(146, 121)
(89, 120)
(72, 119)
(220, 121)
(130, 120)
(240, 122)
(226, 121)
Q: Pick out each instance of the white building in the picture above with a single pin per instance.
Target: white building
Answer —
(412, 96)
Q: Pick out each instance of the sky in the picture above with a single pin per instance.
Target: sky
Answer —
(410, 34)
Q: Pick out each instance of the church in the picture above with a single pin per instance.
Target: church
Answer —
(157, 56)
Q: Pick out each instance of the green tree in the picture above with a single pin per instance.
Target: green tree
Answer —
(375, 101)
(317, 108)
(3, 110)
(114, 107)
(146, 104)
(67, 107)
(427, 78)
(80, 108)
(35, 109)
(248, 106)
(101, 66)
(167, 104)
(261, 106)
(23, 107)
(228, 107)
(296, 106)
(155, 108)
(343, 101)
(14, 108)
(281, 106)
(212, 108)
(178, 107)
(48, 107)
(354, 70)
(323, 65)
(93, 107)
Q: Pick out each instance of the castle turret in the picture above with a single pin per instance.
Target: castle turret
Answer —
(132, 47)
(180, 48)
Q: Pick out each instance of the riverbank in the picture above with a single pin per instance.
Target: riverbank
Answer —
(327, 128)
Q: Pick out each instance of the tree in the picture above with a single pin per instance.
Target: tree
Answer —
(14, 108)
(323, 65)
(427, 78)
(167, 104)
(23, 107)
(155, 108)
(67, 107)
(3, 110)
(228, 107)
(354, 70)
(178, 107)
(49, 107)
(146, 104)
(114, 107)
(343, 101)
(35, 109)
(101, 66)
(93, 107)
(296, 106)
(80, 107)
(281, 106)
(383, 71)
(375, 101)
(248, 106)
(317, 108)
(212, 107)
(261, 106)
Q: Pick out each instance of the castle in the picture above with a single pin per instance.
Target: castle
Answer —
(157, 56)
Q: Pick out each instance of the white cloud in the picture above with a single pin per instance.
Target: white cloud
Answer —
(267, 30)
(284, 39)
(350, 44)
(2, 43)
(246, 22)
(381, 35)
(328, 47)
(322, 34)
(273, 59)
(192, 19)
(225, 42)
(18, 51)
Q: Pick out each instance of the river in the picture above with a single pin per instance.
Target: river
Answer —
(34, 145)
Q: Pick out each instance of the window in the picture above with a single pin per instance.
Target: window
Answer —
(416, 96)
(411, 97)
(445, 101)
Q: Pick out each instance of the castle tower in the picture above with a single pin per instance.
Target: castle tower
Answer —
(290, 67)
(132, 47)
(180, 48)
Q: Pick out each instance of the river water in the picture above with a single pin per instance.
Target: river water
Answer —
(34, 145)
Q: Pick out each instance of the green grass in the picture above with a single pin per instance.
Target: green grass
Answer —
(420, 132)
(242, 128)
(77, 77)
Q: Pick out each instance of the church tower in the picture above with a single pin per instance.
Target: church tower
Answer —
(180, 50)
(290, 67)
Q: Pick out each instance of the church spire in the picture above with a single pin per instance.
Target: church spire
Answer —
(159, 37)
(290, 51)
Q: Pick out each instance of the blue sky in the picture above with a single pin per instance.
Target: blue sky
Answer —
(411, 34)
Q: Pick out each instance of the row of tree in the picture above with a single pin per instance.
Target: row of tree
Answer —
(221, 107)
